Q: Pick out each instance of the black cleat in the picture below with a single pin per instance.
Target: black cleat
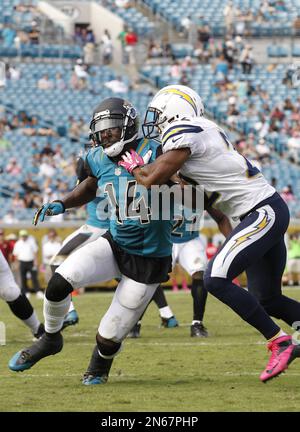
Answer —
(135, 331)
(198, 330)
(98, 369)
(43, 347)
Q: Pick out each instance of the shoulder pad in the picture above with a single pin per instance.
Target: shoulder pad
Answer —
(179, 128)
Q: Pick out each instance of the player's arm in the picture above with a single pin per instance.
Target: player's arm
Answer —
(160, 171)
(86, 186)
(222, 220)
(83, 193)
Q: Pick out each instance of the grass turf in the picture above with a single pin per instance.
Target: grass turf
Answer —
(164, 371)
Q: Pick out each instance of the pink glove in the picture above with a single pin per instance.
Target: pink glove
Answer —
(133, 160)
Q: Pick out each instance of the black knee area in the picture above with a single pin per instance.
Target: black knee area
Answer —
(198, 275)
(21, 307)
(53, 268)
(58, 288)
(213, 285)
(107, 347)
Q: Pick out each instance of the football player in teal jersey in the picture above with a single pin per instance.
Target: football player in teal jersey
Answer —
(137, 249)
(95, 226)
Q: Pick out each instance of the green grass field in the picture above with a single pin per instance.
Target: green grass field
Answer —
(164, 370)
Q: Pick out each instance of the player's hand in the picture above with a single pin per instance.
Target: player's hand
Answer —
(133, 160)
(49, 209)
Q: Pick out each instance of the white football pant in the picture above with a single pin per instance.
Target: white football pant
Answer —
(190, 255)
(94, 263)
(9, 290)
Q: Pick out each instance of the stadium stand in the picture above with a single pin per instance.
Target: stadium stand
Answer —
(251, 17)
(44, 101)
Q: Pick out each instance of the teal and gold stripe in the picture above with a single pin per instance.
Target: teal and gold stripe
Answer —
(142, 146)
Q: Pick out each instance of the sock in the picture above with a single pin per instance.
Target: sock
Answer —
(199, 294)
(174, 285)
(162, 304)
(184, 285)
(160, 298)
(243, 303)
(278, 335)
(99, 365)
(165, 312)
(33, 323)
(22, 309)
(54, 313)
(71, 308)
(284, 308)
(196, 322)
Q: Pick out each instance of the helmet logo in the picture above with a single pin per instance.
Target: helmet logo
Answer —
(184, 96)
(131, 111)
(101, 113)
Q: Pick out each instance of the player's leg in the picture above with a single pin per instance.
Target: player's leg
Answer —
(71, 317)
(175, 252)
(193, 259)
(293, 271)
(168, 320)
(167, 317)
(199, 294)
(18, 302)
(135, 332)
(129, 302)
(75, 271)
(82, 236)
(249, 242)
(264, 282)
(23, 277)
(34, 278)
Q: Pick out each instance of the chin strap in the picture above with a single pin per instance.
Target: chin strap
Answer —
(108, 153)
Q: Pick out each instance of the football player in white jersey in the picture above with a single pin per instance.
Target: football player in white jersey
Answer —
(18, 302)
(199, 150)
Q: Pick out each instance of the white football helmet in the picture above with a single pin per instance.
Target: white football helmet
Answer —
(174, 102)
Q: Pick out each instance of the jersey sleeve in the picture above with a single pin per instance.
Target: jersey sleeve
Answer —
(81, 171)
(88, 165)
(183, 135)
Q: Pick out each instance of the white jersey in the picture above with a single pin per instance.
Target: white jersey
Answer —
(232, 184)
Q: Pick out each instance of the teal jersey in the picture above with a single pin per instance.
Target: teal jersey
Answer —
(185, 229)
(93, 218)
(131, 225)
